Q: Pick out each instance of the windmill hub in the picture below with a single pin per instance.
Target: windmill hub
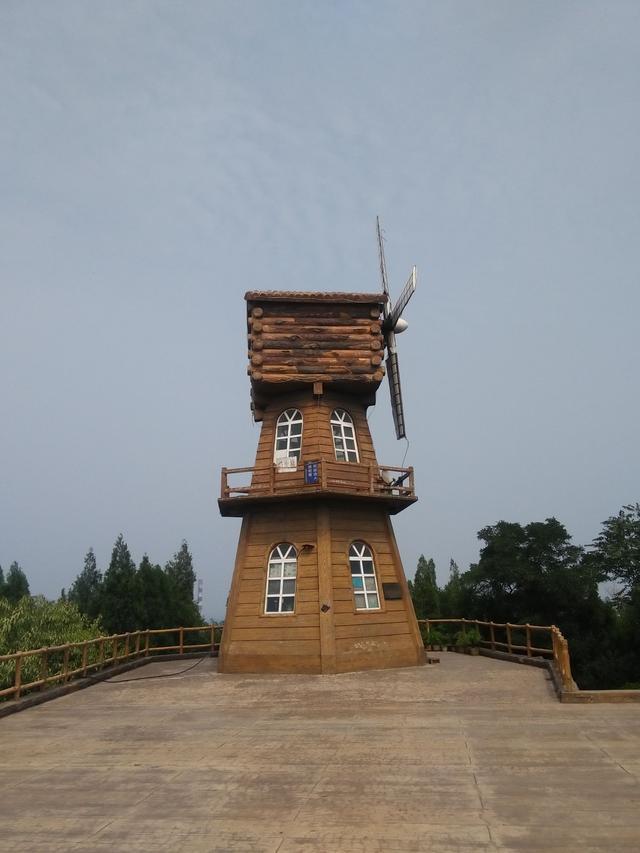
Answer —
(400, 326)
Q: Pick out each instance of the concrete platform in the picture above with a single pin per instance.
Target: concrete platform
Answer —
(471, 755)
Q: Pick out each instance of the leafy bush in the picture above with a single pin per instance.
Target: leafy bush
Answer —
(35, 623)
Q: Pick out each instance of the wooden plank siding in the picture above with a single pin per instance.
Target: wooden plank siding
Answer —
(257, 642)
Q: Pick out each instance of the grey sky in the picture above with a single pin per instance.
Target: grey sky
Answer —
(157, 159)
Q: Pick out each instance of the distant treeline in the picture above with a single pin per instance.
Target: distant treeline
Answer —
(533, 573)
(125, 597)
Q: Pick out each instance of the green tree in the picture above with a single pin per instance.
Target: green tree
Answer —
(120, 602)
(424, 589)
(34, 623)
(180, 570)
(2, 582)
(16, 585)
(451, 597)
(86, 590)
(616, 551)
(533, 573)
(157, 596)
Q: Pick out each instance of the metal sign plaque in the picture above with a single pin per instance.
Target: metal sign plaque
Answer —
(391, 591)
(311, 476)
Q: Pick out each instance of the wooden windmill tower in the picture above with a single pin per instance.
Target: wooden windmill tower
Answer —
(318, 585)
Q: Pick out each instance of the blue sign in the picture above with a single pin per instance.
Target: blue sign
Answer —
(311, 473)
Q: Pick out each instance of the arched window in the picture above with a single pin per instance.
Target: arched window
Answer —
(363, 577)
(288, 436)
(344, 436)
(280, 596)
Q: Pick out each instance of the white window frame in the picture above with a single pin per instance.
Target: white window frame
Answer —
(282, 572)
(288, 422)
(342, 428)
(366, 595)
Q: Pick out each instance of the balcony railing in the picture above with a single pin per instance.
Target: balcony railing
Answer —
(318, 476)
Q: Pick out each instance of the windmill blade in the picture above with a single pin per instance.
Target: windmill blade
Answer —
(403, 299)
(383, 268)
(397, 409)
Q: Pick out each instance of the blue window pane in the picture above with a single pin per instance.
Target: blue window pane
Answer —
(357, 582)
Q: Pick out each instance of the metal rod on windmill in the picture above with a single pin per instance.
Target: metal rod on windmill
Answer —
(393, 324)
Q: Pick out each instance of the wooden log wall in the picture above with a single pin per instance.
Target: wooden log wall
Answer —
(329, 338)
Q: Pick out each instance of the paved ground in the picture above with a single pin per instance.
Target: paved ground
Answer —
(473, 754)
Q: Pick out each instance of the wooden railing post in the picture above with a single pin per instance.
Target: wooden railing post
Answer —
(114, 651)
(84, 657)
(126, 646)
(138, 637)
(17, 682)
(65, 664)
(528, 629)
(509, 638)
(223, 483)
(101, 653)
(44, 668)
(213, 637)
(181, 641)
(146, 643)
(492, 634)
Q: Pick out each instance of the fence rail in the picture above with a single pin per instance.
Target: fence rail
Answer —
(329, 475)
(38, 668)
(515, 639)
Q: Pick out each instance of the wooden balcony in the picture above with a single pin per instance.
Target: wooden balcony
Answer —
(388, 485)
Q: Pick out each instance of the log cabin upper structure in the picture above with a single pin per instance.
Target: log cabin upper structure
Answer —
(318, 585)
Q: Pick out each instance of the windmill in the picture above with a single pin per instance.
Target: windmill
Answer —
(393, 324)
(318, 584)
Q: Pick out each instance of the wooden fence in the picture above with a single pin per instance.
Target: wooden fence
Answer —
(36, 669)
(513, 639)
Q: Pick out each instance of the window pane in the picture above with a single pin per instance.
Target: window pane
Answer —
(355, 567)
(367, 566)
(370, 584)
(287, 604)
(296, 429)
(357, 582)
(288, 586)
(289, 570)
(273, 588)
(372, 600)
(272, 605)
(274, 571)
(281, 444)
(294, 443)
(360, 602)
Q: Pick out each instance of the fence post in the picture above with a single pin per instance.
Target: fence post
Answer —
(223, 483)
(528, 640)
(44, 668)
(84, 658)
(65, 664)
(114, 655)
(137, 652)
(126, 646)
(213, 637)
(509, 638)
(146, 643)
(493, 636)
(17, 683)
(181, 641)
(101, 653)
